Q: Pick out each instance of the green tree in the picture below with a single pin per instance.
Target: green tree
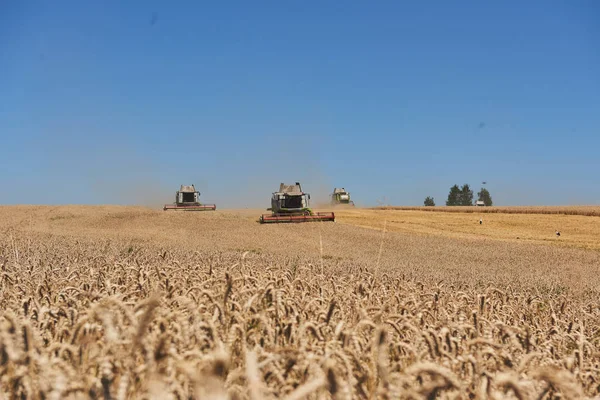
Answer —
(484, 196)
(466, 196)
(453, 196)
(429, 201)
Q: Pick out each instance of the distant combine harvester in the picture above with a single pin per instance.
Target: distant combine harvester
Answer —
(187, 198)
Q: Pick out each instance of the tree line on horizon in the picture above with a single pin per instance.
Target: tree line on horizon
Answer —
(462, 196)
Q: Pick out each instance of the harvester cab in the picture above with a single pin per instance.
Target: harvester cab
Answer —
(187, 198)
(341, 196)
(291, 204)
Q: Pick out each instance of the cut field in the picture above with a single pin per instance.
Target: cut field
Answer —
(589, 211)
(576, 230)
(115, 302)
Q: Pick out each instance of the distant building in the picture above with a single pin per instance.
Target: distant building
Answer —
(480, 203)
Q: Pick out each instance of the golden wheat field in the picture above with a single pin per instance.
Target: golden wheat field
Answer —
(577, 230)
(560, 210)
(110, 302)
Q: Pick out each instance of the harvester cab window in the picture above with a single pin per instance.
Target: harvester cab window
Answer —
(292, 202)
(189, 197)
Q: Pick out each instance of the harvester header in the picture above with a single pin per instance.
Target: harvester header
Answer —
(187, 198)
(291, 204)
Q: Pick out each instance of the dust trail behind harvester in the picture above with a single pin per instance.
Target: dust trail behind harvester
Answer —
(258, 174)
(129, 178)
(123, 175)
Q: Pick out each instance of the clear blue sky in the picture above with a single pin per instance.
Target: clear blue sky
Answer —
(123, 101)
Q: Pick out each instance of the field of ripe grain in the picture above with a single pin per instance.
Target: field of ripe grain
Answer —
(129, 302)
(576, 230)
(564, 210)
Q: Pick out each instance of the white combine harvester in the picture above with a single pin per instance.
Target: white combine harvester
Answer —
(291, 204)
(341, 196)
(188, 199)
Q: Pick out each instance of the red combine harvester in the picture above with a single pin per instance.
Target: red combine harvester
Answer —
(291, 204)
(188, 199)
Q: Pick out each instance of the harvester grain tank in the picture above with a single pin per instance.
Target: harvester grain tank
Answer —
(187, 198)
(341, 196)
(291, 204)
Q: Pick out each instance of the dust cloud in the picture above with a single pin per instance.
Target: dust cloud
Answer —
(125, 174)
(257, 174)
